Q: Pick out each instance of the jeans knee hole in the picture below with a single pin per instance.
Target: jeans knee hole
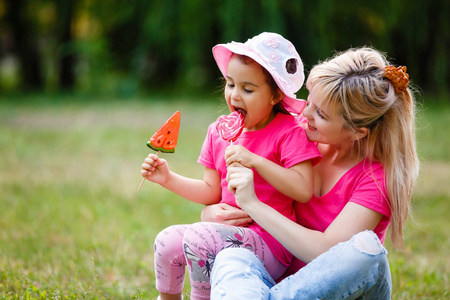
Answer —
(367, 242)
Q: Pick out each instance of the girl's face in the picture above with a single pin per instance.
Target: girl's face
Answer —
(248, 92)
(324, 126)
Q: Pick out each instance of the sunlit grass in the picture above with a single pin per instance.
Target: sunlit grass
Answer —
(73, 226)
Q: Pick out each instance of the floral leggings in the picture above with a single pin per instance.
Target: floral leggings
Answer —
(196, 247)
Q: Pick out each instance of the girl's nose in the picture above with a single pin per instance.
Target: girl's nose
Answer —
(235, 95)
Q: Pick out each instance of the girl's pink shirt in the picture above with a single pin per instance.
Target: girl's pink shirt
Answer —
(284, 142)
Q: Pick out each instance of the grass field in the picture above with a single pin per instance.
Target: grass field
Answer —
(73, 226)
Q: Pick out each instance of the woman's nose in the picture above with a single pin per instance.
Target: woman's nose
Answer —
(306, 111)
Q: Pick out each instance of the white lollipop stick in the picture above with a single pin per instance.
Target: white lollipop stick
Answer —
(143, 179)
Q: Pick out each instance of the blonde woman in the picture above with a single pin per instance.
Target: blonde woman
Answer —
(361, 114)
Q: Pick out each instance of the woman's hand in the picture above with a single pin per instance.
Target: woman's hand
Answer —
(225, 214)
(155, 169)
(240, 183)
(240, 154)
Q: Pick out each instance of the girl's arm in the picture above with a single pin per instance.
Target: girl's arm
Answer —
(295, 182)
(305, 244)
(206, 191)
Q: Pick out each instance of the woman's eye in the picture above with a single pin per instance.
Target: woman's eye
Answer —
(320, 114)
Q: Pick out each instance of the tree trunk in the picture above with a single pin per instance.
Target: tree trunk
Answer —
(67, 56)
(25, 45)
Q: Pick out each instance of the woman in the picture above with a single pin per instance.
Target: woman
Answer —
(361, 115)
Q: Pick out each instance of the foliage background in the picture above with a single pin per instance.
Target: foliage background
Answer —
(123, 48)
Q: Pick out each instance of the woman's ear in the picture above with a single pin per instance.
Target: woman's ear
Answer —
(361, 132)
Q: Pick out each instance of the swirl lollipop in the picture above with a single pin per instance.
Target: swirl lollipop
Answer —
(230, 127)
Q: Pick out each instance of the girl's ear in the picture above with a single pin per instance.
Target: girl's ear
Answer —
(277, 97)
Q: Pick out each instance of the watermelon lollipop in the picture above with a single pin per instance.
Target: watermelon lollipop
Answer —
(166, 138)
(230, 127)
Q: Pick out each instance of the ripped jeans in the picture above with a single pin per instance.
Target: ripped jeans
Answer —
(356, 269)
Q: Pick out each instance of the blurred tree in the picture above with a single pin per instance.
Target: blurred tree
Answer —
(25, 43)
(67, 59)
(420, 38)
(159, 43)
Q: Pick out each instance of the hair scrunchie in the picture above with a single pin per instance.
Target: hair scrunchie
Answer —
(398, 77)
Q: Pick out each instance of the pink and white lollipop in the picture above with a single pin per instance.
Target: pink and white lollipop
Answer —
(230, 127)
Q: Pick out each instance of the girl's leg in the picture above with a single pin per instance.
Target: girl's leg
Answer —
(239, 274)
(170, 263)
(350, 270)
(203, 241)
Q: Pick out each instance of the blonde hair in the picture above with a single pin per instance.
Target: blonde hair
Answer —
(352, 84)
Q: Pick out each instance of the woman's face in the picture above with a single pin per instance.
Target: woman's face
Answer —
(248, 92)
(324, 125)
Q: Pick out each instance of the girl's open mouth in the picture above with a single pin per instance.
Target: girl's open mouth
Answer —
(241, 111)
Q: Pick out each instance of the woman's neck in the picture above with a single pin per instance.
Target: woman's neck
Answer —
(341, 154)
(336, 161)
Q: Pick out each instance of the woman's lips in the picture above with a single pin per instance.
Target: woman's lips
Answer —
(312, 128)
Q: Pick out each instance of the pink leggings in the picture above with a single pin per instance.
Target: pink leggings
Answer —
(196, 246)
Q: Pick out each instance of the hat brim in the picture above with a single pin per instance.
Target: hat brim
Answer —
(294, 105)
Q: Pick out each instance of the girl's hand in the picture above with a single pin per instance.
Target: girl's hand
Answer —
(155, 169)
(239, 154)
(240, 183)
(225, 214)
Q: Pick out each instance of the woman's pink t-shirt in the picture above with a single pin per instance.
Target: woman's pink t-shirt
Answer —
(363, 184)
(283, 142)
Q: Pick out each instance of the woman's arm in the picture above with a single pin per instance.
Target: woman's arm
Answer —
(295, 182)
(305, 244)
(225, 214)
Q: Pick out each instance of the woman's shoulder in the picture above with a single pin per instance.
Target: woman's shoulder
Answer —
(366, 173)
(370, 167)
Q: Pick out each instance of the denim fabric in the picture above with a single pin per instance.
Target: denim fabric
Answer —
(356, 269)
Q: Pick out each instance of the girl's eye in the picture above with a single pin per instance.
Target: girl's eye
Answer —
(248, 91)
(230, 85)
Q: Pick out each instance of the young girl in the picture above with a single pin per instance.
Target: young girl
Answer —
(262, 76)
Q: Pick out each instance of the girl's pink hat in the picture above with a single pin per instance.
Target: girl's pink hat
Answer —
(275, 54)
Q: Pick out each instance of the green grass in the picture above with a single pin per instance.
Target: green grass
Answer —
(73, 226)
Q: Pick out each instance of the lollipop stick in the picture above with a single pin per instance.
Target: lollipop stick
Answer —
(143, 179)
(142, 182)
